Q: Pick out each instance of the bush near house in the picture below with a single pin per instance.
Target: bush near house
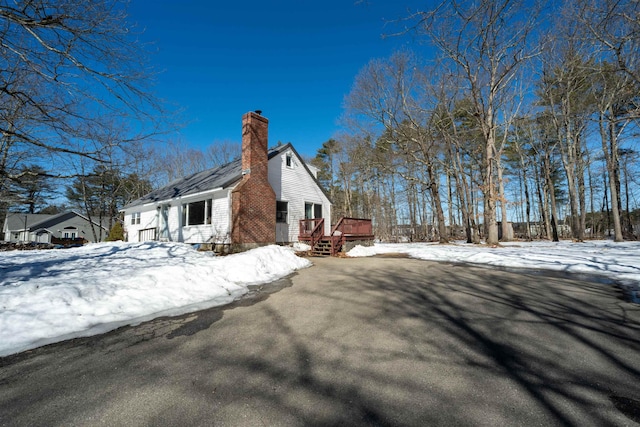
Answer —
(116, 233)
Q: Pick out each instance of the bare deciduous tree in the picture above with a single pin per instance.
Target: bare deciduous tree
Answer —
(69, 70)
(393, 95)
(487, 41)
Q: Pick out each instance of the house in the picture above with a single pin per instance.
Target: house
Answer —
(40, 228)
(256, 200)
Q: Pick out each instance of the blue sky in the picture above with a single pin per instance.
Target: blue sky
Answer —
(294, 60)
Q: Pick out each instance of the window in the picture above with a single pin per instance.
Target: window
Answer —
(196, 213)
(68, 234)
(289, 160)
(282, 209)
(135, 218)
(312, 210)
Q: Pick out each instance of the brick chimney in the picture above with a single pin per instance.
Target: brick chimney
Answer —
(253, 201)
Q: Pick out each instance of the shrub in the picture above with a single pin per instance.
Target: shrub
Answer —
(116, 232)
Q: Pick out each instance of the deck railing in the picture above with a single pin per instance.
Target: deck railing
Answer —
(349, 229)
(311, 230)
(148, 234)
(353, 227)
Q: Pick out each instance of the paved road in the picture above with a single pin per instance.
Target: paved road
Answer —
(370, 341)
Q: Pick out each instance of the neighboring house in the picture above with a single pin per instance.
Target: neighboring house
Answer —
(20, 227)
(17, 225)
(259, 199)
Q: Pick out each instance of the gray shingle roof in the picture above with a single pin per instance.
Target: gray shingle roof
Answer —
(219, 177)
(15, 221)
(64, 216)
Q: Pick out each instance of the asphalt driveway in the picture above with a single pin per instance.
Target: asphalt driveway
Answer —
(366, 341)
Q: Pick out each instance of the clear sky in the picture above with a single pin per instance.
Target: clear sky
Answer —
(293, 59)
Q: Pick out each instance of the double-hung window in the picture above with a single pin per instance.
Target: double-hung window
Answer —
(135, 218)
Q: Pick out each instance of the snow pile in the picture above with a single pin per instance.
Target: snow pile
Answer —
(617, 261)
(51, 295)
(301, 247)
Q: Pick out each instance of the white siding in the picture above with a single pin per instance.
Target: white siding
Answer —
(148, 219)
(175, 223)
(296, 186)
(221, 217)
(151, 218)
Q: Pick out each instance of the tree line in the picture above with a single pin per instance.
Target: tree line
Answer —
(506, 116)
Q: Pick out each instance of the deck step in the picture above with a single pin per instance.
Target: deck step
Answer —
(323, 247)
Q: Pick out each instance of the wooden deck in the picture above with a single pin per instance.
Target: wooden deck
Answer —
(346, 230)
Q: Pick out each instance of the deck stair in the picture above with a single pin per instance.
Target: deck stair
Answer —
(322, 248)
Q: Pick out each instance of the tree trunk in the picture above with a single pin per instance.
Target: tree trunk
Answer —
(608, 134)
(462, 191)
(394, 212)
(542, 205)
(526, 198)
(475, 203)
(552, 197)
(490, 194)
(592, 227)
(576, 232)
(605, 203)
(450, 205)
(570, 150)
(435, 195)
(626, 194)
(506, 231)
(582, 203)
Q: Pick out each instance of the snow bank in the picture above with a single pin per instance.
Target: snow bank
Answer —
(51, 295)
(617, 261)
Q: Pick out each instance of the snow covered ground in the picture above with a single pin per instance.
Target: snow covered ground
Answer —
(619, 262)
(48, 296)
